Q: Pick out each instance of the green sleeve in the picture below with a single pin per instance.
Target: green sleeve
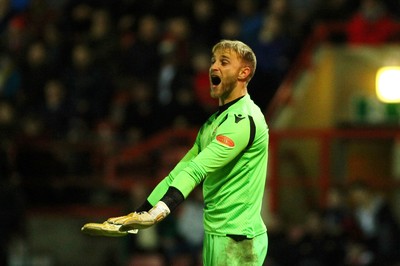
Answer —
(162, 187)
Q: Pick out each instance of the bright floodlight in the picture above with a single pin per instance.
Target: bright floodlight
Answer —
(388, 84)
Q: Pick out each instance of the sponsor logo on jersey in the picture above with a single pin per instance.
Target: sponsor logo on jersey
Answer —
(224, 140)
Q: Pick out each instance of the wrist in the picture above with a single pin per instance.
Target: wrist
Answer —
(146, 206)
(159, 211)
(172, 198)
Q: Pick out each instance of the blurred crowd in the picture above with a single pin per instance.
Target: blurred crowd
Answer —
(357, 226)
(70, 67)
(79, 70)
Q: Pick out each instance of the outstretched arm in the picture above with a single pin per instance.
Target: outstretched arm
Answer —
(156, 207)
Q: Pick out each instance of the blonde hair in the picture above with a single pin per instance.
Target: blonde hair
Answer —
(242, 50)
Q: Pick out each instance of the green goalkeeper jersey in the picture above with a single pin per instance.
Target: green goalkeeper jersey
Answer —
(230, 157)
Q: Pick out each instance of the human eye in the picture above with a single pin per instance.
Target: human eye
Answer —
(212, 60)
(224, 62)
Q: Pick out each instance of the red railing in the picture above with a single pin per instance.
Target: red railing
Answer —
(283, 96)
(114, 179)
(320, 34)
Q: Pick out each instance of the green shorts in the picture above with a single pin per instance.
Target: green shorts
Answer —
(225, 251)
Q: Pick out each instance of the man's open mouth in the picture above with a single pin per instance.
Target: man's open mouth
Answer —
(215, 80)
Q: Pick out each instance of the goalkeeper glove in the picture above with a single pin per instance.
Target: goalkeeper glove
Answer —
(141, 220)
(105, 229)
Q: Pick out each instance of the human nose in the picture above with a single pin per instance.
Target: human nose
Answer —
(213, 66)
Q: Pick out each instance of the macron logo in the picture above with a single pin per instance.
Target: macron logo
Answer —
(238, 118)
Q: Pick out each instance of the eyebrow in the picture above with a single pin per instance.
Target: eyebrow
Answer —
(222, 57)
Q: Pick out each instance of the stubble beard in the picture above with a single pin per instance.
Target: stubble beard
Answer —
(226, 89)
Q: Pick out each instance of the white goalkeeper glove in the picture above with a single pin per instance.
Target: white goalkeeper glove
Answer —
(141, 220)
(105, 229)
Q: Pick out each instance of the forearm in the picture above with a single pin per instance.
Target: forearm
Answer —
(162, 200)
(160, 190)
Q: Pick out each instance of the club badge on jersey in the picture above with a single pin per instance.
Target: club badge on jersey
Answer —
(226, 141)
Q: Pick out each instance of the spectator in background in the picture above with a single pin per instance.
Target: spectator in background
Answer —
(76, 20)
(303, 12)
(274, 36)
(332, 11)
(230, 28)
(176, 40)
(380, 232)
(314, 243)
(12, 206)
(174, 72)
(36, 69)
(394, 7)
(274, 49)
(89, 86)
(200, 63)
(56, 46)
(277, 234)
(372, 24)
(337, 217)
(250, 18)
(167, 78)
(203, 21)
(15, 37)
(8, 122)
(101, 38)
(281, 9)
(339, 225)
(55, 111)
(292, 248)
(186, 111)
(358, 255)
(125, 35)
(6, 13)
(10, 78)
(140, 57)
(318, 245)
(39, 14)
(138, 111)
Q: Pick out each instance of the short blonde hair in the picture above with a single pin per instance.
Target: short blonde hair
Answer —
(242, 50)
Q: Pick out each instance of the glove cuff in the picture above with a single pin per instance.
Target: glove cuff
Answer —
(159, 211)
(146, 206)
(173, 197)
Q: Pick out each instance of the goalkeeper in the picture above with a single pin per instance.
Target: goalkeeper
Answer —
(229, 156)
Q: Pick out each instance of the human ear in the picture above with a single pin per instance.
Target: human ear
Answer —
(244, 73)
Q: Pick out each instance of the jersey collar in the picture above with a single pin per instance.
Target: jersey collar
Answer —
(224, 107)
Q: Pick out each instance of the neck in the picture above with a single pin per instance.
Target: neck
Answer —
(235, 94)
(222, 108)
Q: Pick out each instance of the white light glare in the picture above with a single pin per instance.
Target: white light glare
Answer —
(388, 84)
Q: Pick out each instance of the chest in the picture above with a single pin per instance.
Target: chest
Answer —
(209, 131)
